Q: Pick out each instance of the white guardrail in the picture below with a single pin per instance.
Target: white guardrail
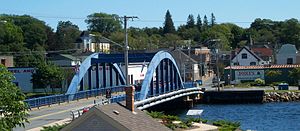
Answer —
(78, 112)
(143, 104)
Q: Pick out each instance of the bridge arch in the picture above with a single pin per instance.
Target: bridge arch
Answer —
(85, 68)
(162, 65)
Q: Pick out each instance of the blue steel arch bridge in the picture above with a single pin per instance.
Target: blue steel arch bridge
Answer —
(162, 81)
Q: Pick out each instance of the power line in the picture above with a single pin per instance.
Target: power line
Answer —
(30, 52)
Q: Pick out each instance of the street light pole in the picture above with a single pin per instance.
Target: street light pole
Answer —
(126, 47)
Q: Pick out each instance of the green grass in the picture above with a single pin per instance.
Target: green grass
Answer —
(225, 125)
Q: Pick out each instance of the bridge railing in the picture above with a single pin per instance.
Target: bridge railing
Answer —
(57, 99)
(116, 94)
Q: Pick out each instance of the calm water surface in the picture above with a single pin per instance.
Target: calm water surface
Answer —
(260, 117)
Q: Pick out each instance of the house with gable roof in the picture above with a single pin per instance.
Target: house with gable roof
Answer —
(246, 57)
(287, 54)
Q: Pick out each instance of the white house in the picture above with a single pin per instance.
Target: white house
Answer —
(91, 43)
(246, 57)
(287, 54)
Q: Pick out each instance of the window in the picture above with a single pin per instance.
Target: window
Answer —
(288, 61)
(3, 61)
(244, 56)
(252, 63)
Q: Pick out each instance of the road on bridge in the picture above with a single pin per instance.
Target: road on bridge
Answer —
(46, 115)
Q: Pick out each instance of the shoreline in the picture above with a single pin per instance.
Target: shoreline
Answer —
(281, 96)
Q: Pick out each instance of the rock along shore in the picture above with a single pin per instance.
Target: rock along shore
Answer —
(287, 96)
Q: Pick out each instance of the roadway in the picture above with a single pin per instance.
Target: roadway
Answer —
(47, 115)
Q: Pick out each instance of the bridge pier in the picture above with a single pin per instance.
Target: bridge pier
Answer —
(188, 102)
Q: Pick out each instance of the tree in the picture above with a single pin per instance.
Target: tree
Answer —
(104, 23)
(47, 75)
(13, 111)
(273, 73)
(168, 24)
(190, 21)
(213, 20)
(295, 74)
(170, 40)
(34, 30)
(205, 22)
(199, 23)
(10, 33)
(66, 35)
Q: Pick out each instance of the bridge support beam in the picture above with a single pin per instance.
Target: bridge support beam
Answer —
(162, 88)
(189, 102)
(104, 75)
(110, 75)
(171, 76)
(81, 85)
(167, 75)
(157, 81)
(90, 78)
(97, 76)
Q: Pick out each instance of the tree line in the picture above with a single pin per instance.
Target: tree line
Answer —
(28, 37)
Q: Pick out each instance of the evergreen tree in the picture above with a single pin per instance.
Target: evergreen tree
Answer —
(213, 20)
(168, 24)
(205, 22)
(190, 21)
(199, 23)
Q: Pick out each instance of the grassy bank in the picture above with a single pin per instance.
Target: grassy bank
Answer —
(174, 122)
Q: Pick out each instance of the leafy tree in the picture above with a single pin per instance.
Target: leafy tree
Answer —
(190, 21)
(152, 31)
(237, 33)
(66, 35)
(291, 32)
(51, 39)
(103, 23)
(168, 24)
(295, 74)
(47, 75)
(273, 73)
(13, 110)
(10, 33)
(170, 40)
(199, 23)
(34, 30)
(189, 33)
(213, 20)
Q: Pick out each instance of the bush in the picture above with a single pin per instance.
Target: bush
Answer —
(197, 120)
(259, 81)
(54, 128)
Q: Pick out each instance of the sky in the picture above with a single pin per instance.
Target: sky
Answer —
(151, 13)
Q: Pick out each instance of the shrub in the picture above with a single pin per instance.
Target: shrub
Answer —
(54, 127)
(259, 81)
(226, 125)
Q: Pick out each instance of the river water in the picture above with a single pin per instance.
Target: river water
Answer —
(283, 116)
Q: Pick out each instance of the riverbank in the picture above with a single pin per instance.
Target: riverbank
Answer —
(193, 124)
(281, 96)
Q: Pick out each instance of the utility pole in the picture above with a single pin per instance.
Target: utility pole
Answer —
(126, 47)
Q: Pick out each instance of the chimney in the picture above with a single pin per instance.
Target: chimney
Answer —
(130, 97)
